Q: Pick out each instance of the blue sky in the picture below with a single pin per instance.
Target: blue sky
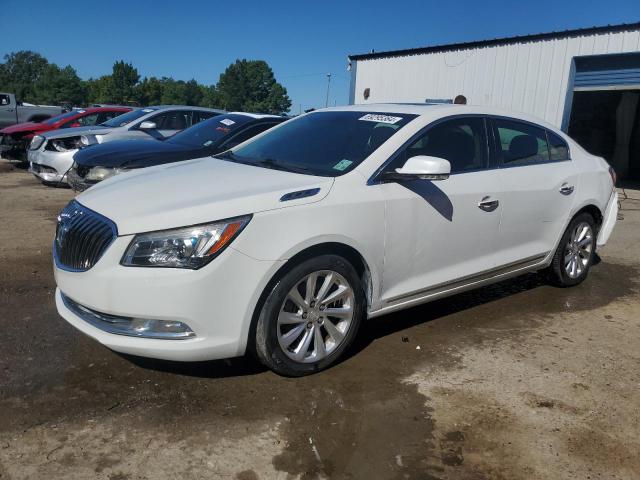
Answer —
(301, 40)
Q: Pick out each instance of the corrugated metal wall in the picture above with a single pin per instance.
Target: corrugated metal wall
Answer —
(530, 76)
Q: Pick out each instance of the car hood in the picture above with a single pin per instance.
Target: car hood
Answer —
(26, 128)
(134, 154)
(76, 132)
(195, 191)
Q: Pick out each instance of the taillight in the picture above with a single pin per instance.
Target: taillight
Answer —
(614, 177)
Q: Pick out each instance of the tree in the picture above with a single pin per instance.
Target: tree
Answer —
(210, 97)
(150, 91)
(250, 85)
(122, 85)
(20, 72)
(59, 85)
(192, 93)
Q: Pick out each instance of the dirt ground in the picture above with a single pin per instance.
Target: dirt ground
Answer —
(519, 380)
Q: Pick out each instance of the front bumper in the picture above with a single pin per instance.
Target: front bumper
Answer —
(56, 164)
(217, 302)
(78, 183)
(13, 148)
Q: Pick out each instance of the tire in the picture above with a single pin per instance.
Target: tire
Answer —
(283, 324)
(575, 253)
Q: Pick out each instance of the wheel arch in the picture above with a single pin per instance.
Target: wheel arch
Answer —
(592, 210)
(349, 252)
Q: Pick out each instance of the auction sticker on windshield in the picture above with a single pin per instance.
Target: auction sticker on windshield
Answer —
(372, 117)
(342, 165)
(227, 122)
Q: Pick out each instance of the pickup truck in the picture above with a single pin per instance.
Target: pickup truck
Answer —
(12, 112)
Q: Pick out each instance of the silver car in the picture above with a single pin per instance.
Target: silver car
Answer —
(50, 155)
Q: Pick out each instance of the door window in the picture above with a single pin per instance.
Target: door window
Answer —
(199, 116)
(4, 100)
(520, 143)
(86, 121)
(461, 141)
(248, 133)
(558, 148)
(175, 120)
(105, 116)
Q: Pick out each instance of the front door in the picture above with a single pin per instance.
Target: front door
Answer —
(7, 111)
(439, 232)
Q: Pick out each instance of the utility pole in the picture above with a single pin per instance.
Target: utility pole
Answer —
(326, 103)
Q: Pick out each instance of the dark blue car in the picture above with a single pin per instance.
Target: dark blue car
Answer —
(99, 162)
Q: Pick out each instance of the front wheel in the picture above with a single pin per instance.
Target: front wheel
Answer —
(575, 253)
(310, 317)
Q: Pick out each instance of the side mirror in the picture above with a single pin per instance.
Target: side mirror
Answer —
(425, 167)
(148, 126)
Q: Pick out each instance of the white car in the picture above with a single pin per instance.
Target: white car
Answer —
(284, 244)
(50, 154)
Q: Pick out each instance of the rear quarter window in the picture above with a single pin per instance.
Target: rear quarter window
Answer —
(558, 148)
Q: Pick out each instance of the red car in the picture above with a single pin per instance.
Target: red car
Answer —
(15, 139)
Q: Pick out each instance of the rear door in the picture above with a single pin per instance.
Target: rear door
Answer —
(538, 181)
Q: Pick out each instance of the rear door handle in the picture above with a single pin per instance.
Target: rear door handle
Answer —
(566, 189)
(487, 204)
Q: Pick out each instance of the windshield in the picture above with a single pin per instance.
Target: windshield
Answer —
(64, 116)
(211, 131)
(127, 118)
(321, 143)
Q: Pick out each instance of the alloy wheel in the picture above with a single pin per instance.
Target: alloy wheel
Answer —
(315, 316)
(577, 253)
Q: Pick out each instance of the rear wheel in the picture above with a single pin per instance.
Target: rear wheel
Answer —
(575, 253)
(310, 317)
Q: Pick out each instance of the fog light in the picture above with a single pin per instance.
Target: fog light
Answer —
(145, 327)
(133, 327)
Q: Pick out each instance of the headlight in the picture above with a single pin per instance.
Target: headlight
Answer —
(97, 174)
(84, 140)
(36, 142)
(187, 247)
(65, 144)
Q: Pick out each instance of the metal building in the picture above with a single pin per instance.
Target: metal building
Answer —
(585, 81)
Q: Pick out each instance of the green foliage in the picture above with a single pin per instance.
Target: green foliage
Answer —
(20, 71)
(59, 86)
(247, 85)
(150, 91)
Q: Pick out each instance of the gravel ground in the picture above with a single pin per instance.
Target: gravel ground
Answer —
(519, 380)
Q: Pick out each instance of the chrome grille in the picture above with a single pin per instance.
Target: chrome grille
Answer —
(82, 236)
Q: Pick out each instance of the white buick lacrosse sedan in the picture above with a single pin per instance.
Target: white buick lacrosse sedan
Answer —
(285, 244)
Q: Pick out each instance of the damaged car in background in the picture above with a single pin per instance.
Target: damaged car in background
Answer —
(14, 112)
(14, 140)
(50, 155)
(92, 165)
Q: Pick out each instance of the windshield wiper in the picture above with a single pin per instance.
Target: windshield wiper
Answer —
(265, 162)
(287, 167)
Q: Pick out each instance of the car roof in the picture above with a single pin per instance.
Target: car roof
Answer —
(102, 109)
(184, 107)
(438, 110)
(255, 115)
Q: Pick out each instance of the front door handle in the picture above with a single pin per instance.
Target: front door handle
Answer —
(487, 204)
(566, 189)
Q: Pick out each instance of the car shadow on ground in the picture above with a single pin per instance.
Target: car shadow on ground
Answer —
(370, 331)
